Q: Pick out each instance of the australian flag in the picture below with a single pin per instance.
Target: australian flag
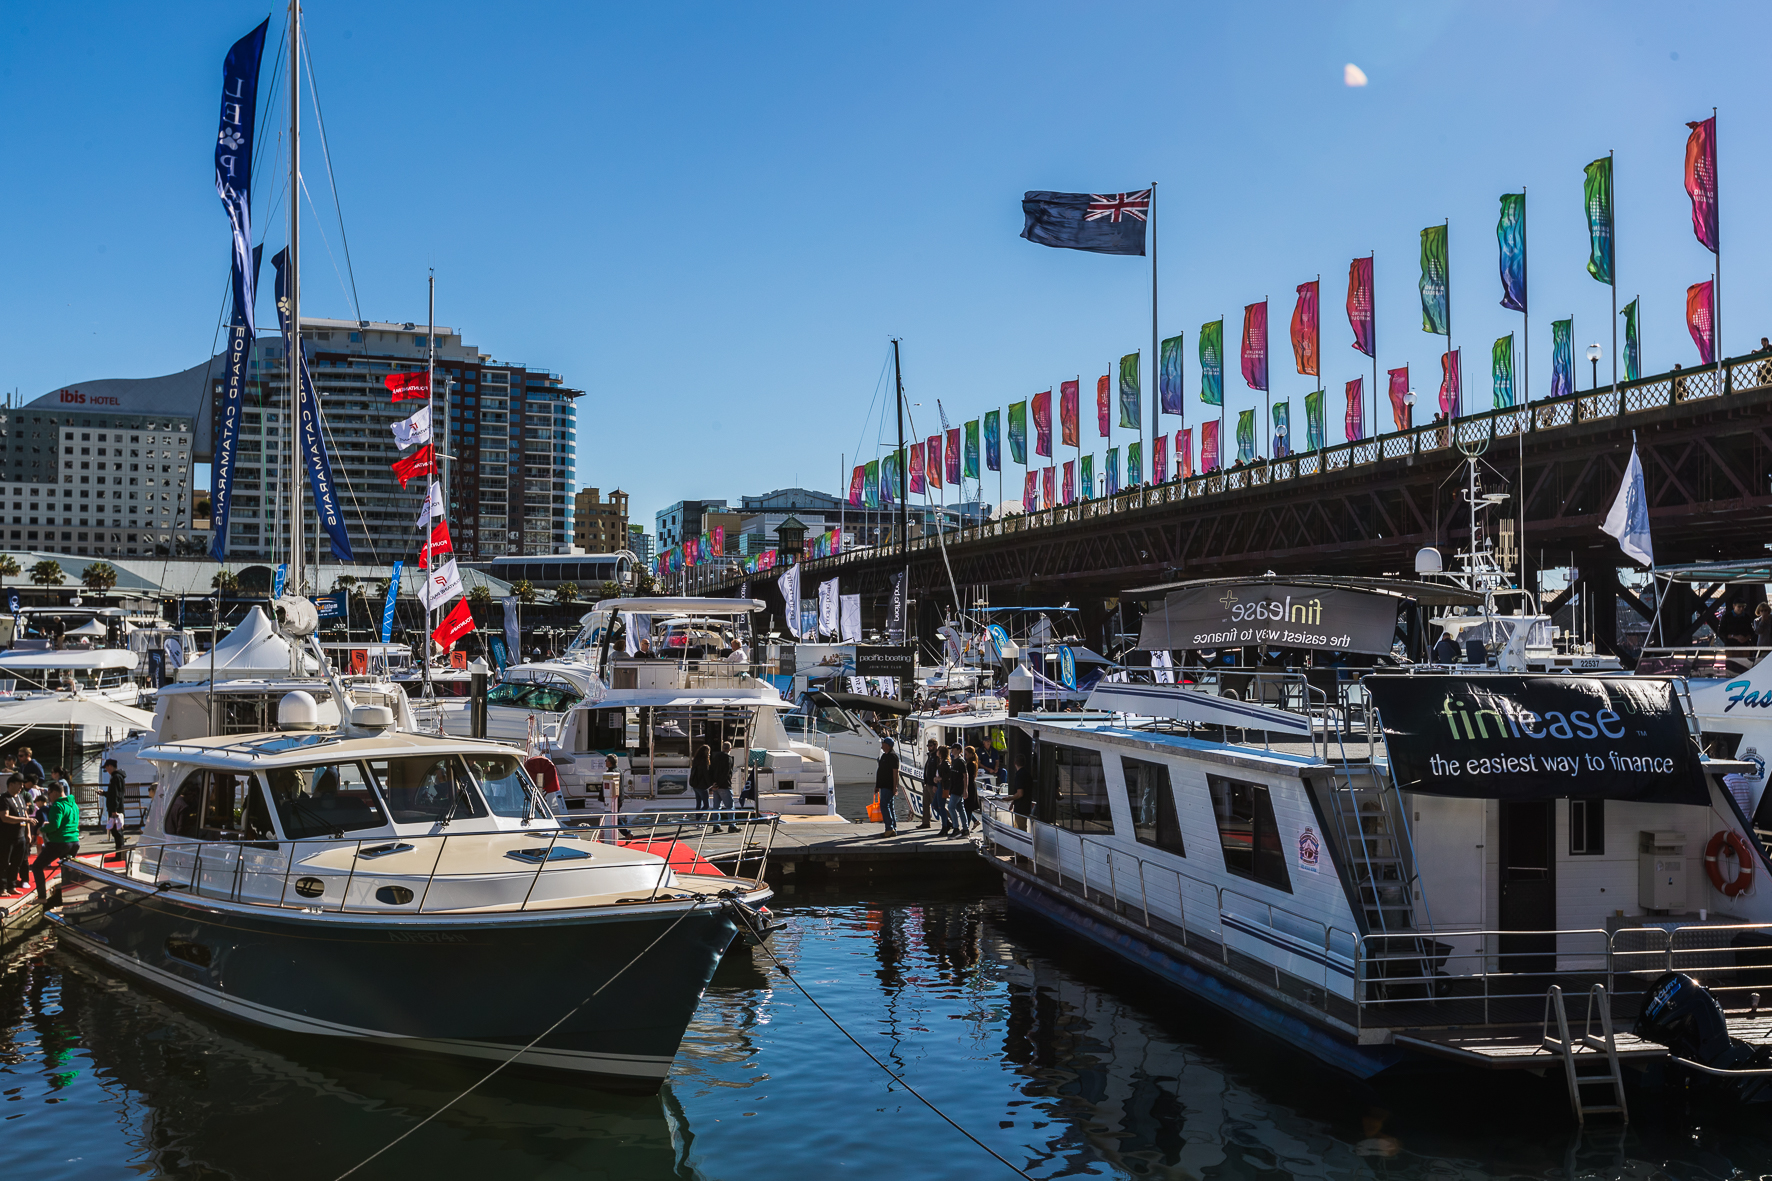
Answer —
(1105, 223)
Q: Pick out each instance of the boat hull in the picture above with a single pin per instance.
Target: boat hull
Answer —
(480, 987)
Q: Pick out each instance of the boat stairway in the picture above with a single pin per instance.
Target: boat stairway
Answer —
(1371, 835)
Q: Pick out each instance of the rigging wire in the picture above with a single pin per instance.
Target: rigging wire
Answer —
(326, 154)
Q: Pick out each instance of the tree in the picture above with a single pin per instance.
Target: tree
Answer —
(98, 576)
(566, 592)
(48, 572)
(480, 597)
(9, 567)
(523, 590)
(609, 590)
(226, 583)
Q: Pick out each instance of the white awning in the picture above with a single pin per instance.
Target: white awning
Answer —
(77, 659)
(93, 712)
(252, 651)
(662, 605)
(1193, 705)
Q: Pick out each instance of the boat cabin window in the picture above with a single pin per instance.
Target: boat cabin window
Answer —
(426, 789)
(1247, 833)
(603, 729)
(505, 786)
(552, 697)
(209, 805)
(1073, 788)
(1152, 805)
(323, 800)
(1587, 827)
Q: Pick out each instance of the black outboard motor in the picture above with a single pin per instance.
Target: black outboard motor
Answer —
(1682, 1015)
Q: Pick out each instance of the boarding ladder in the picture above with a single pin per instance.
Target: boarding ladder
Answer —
(1605, 1044)
(1368, 818)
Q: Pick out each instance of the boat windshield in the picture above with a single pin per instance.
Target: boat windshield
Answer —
(504, 784)
(317, 801)
(425, 789)
(551, 696)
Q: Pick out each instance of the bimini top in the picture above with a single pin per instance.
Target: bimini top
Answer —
(1749, 570)
(665, 605)
(1428, 594)
(77, 659)
(290, 748)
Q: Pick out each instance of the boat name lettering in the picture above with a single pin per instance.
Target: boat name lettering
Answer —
(1741, 694)
(426, 937)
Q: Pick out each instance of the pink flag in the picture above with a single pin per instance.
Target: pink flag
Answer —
(1698, 320)
(916, 467)
(1356, 402)
(1160, 459)
(855, 482)
(932, 466)
(1067, 413)
(1101, 402)
(1450, 391)
(1184, 452)
(1401, 412)
(1030, 492)
(1701, 180)
(1070, 480)
(1209, 446)
(1255, 345)
(1304, 328)
(1359, 304)
(1043, 423)
(1049, 484)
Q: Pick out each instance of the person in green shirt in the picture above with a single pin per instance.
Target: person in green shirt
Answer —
(61, 835)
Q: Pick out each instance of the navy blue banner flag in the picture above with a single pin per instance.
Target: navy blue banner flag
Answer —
(1104, 223)
(387, 608)
(307, 425)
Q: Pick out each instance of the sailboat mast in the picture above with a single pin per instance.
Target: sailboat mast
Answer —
(293, 363)
(431, 404)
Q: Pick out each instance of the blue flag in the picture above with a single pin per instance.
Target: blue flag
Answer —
(279, 579)
(307, 425)
(1103, 223)
(1510, 234)
(387, 608)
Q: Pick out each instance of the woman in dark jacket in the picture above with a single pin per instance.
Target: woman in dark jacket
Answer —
(972, 804)
(701, 776)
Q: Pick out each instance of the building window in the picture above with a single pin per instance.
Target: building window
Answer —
(1073, 789)
(1247, 834)
(1152, 805)
(1587, 827)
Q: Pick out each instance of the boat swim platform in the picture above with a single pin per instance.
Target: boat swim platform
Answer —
(814, 851)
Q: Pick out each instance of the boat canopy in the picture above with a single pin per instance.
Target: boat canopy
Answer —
(860, 701)
(252, 651)
(1754, 570)
(1428, 594)
(681, 606)
(92, 712)
(75, 659)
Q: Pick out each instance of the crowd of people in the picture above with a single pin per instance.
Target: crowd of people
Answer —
(39, 815)
(950, 787)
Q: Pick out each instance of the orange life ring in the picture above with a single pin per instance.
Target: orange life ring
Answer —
(1744, 875)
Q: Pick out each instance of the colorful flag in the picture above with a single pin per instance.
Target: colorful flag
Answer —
(1212, 363)
(1282, 429)
(1184, 453)
(1597, 196)
(1043, 423)
(1699, 320)
(458, 623)
(932, 464)
(857, 480)
(1503, 365)
(1030, 491)
(407, 385)
(719, 541)
(1104, 223)
(870, 484)
(1160, 459)
(441, 585)
(1209, 446)
(952, 456)
(410, 432)
(1633, 354)
(1129, 400)
(1510, 232)
(1436, 308)
(1359, 304)
(1316, 426)
(1701, 181)
(387, 604)
(1562, 357)
(1086, 476)
(1134, 464)
(1356, 410)
(422, 462)
(1246, 436)
(1111, 461)
(1169, 375)
(971, 469)
(993, 440)
(1018, 432)
(1070, 481)
(1068, 411)
(1049, 486)
(1304, 329)
(917, 468)
(1401, 412)
(888, 480)
(439, 543)
(1103, 414)
(1255, 345)
(1451, 385)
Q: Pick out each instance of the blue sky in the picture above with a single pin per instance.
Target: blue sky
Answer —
(713, 217)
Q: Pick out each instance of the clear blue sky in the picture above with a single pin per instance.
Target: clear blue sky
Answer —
(712, 217)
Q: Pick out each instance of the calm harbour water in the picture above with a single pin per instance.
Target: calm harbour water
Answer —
(1064, 1062)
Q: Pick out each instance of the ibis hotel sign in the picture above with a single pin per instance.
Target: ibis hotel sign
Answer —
(1272, 615)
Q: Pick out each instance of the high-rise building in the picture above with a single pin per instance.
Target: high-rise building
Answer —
(600, 526)
(682, 520)
(506, 432)
(640, 542)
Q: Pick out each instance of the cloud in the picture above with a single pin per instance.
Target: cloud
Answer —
(1353, 75)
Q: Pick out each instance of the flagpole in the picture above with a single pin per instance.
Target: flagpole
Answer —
(292, 363)
(1317, 360)
(1267, 356)
(1716, 283)
(1525, 418)
(1156, 358)
(1372, 294)
(431, 406)
(1612, 175)
(1451, 362)
(1221, 396)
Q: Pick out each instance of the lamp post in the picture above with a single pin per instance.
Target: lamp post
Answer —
(1409, 407)
(1593, 356)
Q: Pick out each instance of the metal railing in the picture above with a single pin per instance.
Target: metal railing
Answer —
(420, 875)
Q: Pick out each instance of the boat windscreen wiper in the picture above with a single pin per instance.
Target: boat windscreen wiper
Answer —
(307, 808)
(454, 799)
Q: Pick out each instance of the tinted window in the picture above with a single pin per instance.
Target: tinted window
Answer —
(1244, 813)
(324, 800)
(504, 785)
(1074, 789)
(425, 789)
(550, 572)
(224, 803)
(1152, 805)
(186, 807)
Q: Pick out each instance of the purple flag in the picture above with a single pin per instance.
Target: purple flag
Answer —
(1255, 345)
(1359, 304)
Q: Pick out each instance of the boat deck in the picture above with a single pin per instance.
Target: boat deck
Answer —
(1514, 1047)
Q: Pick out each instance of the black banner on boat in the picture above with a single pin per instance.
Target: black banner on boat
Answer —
(1533, 738)
(883, 660)
(1272, 615)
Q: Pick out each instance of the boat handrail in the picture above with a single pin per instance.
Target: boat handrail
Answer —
(648, 832)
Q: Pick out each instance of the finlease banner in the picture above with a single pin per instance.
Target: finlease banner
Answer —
(1273, 615)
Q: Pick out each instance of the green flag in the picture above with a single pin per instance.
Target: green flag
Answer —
(971, 467)
(1503, 357)
(1562, 357)
(1129, 400)
(1246, 436)
(1316, 431)
(1597, 193)
(870, 485)
(1111, 472)
(1436, 271)
(1018, 432)
(1134, 463)
(1086, 476)
(1633, 357)
(1212, 363)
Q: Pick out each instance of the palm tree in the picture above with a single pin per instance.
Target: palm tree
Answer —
(480, 597)
(226, 583)
(48, 572)
(566, 592)
(9, 567)
(524, 591)
(99, 576)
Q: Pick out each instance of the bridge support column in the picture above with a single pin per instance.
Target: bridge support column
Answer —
(1598, 572)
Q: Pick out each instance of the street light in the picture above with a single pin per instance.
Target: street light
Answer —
(1593, 355)
(1409, 406)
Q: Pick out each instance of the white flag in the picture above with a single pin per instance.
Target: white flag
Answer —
(790, 599)
(410, 432)
(442, 585)
(827, 608)
(432, 508)
(1629, 519)
(851, 612)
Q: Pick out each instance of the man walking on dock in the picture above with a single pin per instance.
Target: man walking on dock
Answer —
(886, 786)
(932, 786)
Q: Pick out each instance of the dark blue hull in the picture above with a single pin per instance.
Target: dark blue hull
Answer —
(470, 986)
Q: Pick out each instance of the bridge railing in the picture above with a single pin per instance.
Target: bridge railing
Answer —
(1674, 388)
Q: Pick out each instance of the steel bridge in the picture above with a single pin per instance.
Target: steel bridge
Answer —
(1704, 438)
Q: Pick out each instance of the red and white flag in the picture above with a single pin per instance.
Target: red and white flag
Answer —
(458, 623)
(441, 585)
(432, 508)
(422, 462)
(409, 432)
(407, 385)
(439, 543)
